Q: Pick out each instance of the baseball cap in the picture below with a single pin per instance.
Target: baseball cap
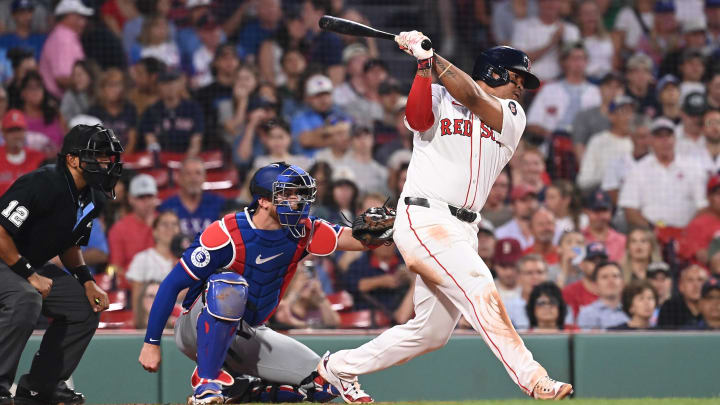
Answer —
(713, 184)
(143, 184)
(168, 75)
(656, 268)
(694, 25)
(664, 6)
(507, 252)
(712, 3)
(73, 7)
(14, 119)
(621, 101)
(599, 200)
(595, 250)
(639, 61)
(666, 81)
(710, 285)
(486, 226)
(694, 104)
(611, 76)
(354, 50)
(661, 123)
(689, 54)
(521, 191)
(197, 3)
(318, 84)
(22, 5)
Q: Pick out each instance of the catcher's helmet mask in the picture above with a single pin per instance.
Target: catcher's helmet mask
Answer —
(290, 189)
(90, 143)
(501, 60)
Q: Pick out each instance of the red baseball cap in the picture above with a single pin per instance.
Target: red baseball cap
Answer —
(507, 252)
(521, 191)
(14, 119)
(713, 183)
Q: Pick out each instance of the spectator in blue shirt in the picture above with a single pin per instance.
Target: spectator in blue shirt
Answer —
(325, 47)
(172, 124)
(607, 310)
(195, 208)
(23, 36)
(187, 38)
(96, 251)
(269, 17)
(312, 126)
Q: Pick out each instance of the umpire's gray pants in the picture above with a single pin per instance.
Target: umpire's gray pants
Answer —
(256, 351)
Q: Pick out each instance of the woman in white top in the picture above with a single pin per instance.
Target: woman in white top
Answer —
(155, 263)
(598, 44)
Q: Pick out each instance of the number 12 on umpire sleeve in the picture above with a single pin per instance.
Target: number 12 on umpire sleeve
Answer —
(16, 215)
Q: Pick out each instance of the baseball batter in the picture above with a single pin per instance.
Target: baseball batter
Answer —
(465, 132)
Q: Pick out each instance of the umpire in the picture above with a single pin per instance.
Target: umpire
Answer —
(48, 213)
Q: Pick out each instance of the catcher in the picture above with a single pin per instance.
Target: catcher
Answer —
(237, 271)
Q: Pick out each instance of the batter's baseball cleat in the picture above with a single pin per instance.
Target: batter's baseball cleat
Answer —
(349, 390)
(549, 389)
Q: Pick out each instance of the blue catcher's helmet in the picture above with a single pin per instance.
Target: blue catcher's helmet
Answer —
(500, 60)
(290, 188)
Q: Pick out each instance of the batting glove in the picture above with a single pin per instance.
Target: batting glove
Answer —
(410, 42)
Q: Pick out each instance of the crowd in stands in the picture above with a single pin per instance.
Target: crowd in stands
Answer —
(606, 218)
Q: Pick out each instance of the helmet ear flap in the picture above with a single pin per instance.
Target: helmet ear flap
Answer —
(488, 75)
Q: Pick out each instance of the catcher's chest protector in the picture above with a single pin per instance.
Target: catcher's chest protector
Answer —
(267, 260)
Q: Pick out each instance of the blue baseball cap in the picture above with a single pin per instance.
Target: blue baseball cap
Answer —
(664, 6)
(595, 250)
(666, 80)
(712, 3)
(18, 5)
(621, 101)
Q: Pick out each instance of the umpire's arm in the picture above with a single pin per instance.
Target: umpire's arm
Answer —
(73, 260)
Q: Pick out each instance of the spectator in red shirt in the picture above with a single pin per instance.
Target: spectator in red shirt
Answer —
(703, 228)
(583, 291)
(542, 226)
(133, 233)
(599, 212)
(15, 158)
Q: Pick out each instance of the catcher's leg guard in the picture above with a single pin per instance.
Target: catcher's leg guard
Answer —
(278, 393)
(225, 298)
(317, 389)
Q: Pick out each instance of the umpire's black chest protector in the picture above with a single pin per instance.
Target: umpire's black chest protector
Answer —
(45, 214)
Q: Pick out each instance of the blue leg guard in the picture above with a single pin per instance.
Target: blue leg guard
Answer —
(225, 298)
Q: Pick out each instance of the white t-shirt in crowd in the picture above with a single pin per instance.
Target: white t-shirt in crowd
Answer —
(628, 22)
(600, 55)
(602, 149)
(148, 266)
(553, 103)
(531, 34)
(669, 195)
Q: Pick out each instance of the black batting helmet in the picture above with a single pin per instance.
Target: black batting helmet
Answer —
(500, 60)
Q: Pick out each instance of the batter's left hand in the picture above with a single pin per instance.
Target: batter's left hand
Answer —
(98, 298)
(411, 43)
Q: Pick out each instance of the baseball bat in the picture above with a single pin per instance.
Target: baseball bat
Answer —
(347, 27)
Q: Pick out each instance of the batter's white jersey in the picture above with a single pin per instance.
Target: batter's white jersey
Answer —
(458, 159)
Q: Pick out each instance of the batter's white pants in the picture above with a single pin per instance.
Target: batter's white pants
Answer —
(452, 281)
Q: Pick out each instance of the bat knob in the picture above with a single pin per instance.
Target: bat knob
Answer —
(426, 44)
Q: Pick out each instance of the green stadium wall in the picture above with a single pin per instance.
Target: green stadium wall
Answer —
(600, 365)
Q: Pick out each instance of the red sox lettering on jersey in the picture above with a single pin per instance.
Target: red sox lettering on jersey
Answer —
(461, 144)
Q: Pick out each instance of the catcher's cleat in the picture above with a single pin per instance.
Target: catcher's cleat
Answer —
(350, 391)
(549, 389)
(209, 393)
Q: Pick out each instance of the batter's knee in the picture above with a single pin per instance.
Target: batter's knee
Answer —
(226, 296)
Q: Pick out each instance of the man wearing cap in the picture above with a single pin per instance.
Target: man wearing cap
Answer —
(694, 39)
(23, 35)
(709, 306)
(557, 103)
(689, 132)
(311, 129)
(15, 158)
(696, 237)
(663, 189)
(595, 120)
(663, 35)
(44, 214)
(187, 38)
(175, 123)
(668, 95)
(617, 171)
(354, 57)
(224, 70)
(133, 232)
(63, 47)
(524, 202)
(658, 274)
(40, 16)
(599, 212)
(606, 146)
(639, 76)
(583, 291)
(543, 36)
(683, 309)
(507, 253)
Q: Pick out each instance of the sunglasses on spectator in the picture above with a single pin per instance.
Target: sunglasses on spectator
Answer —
(544, 302)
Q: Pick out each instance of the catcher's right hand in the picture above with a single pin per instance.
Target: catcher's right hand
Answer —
(374, 227)
(411, 43)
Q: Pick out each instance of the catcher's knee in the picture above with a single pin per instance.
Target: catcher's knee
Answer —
(226, 296)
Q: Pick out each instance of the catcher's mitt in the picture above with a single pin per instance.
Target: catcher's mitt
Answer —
(374, 227)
